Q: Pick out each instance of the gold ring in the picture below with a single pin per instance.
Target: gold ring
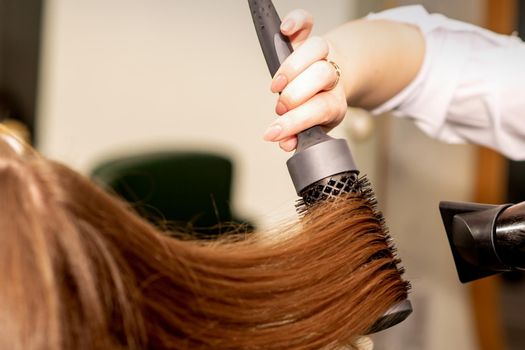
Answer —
(337, 74)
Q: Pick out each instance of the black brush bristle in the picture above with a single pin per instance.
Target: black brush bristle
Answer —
(334, 188)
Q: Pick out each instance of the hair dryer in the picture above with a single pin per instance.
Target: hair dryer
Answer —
(485, 239)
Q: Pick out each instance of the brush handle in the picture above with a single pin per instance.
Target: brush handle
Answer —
(276, 47)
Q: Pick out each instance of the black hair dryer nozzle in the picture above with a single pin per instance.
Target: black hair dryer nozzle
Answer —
(485, 239)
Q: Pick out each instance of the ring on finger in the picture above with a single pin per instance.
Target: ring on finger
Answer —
(337, 74)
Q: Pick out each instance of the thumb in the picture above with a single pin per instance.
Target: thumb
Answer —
(297, 25)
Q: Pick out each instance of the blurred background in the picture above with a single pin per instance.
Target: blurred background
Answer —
(97, 81)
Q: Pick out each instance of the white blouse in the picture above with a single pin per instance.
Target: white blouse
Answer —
(470, 87)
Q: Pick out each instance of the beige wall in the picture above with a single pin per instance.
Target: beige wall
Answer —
(124, 75)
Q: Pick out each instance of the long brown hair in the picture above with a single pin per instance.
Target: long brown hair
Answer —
(80, 270)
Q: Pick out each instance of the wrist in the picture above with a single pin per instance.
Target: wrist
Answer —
(378, 58)
(347, 50)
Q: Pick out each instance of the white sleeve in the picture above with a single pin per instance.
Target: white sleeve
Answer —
(470, 87)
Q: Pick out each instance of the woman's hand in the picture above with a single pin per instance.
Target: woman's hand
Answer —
(310, 93)
(378, 58)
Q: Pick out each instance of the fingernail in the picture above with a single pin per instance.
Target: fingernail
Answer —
(280, 108)
(278, 83)
(273, 132)
(287, 25)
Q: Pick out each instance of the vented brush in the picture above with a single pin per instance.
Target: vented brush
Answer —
(322, 167)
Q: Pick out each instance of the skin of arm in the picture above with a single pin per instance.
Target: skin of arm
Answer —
(377, 59)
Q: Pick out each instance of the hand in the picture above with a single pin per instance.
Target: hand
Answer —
(307, 85)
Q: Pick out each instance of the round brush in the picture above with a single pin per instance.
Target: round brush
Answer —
(322, 167)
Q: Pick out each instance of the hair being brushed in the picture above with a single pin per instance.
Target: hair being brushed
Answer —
(82, 271)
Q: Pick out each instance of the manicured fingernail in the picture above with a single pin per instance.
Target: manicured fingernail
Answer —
(280, 109)
(278, 83)
(273, 132)
(287, 25)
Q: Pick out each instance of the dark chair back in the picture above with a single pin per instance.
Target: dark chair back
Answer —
(189, 189)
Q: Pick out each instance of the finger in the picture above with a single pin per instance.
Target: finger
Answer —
(326, 108)
(313, 50)
(318, 77)
(288, 144)
(297, 25)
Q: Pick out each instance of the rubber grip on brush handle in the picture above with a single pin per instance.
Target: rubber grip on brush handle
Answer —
(276, 48)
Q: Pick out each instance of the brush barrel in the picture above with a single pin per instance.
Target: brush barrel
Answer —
(314, 166)
(396, 314)
(329, 188)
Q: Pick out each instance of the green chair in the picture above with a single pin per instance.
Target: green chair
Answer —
(189, 190)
